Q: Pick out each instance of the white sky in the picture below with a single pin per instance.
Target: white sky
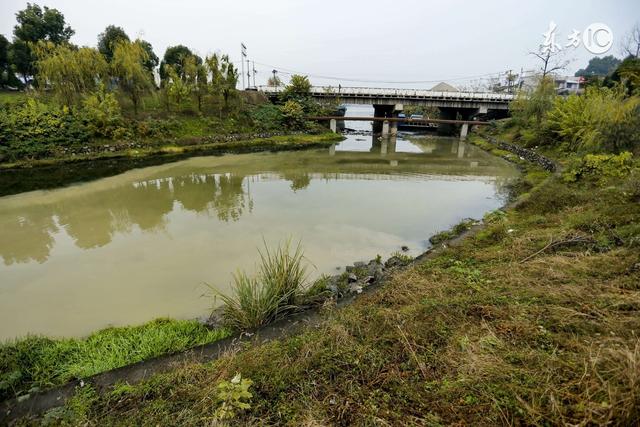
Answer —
(368, 40)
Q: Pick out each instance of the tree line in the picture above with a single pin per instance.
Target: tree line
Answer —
(42, 56)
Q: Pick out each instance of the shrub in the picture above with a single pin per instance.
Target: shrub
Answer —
(600, 166)
(267, 117)
(293, 114)
(600, 120)
(102, 113)
(34, 129)
(271, 294)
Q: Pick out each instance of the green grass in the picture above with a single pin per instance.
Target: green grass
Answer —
(503, 329)
(271, 294)
(454, 231)
(35, 362)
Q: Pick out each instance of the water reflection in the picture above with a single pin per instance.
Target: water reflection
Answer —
(93, 218)
(139, 245)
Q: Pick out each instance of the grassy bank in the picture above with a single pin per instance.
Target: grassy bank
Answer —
(532, 320)
(36, 363)
(186, 147)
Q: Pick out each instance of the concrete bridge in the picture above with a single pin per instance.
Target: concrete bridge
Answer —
(390, 102)
(389, 125)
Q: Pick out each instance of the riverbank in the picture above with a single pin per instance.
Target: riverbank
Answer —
(42, 174)
(533, 319)
(215, 144)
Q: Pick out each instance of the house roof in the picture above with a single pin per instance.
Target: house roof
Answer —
(445, 87)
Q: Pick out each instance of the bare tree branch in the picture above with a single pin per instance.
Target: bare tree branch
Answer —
(631, 43)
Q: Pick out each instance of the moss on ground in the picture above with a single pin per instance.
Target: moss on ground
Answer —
(532, 321)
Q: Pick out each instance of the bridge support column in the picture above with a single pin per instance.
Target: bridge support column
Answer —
(385, 128)
(333, 125)
(464, 130)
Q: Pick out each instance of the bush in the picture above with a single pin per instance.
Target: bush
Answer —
(267, 117)
(34, 130)
(600, 120)
(102, 113)
(600, 167)
(293, 115)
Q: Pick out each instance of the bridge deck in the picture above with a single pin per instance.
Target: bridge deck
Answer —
(415, 94)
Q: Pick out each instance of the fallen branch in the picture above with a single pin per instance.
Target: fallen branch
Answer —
(563, 242)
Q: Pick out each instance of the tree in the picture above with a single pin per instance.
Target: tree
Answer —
(175, 56)
(108, 38)
(153, 61)
(631, 43)
(599, 67)
(299, 88)
(128, 68)
(35, 24)
(67, 71)
(274, 81)
(176, 88)
(551, 61)
(7, 77)
(627, 74)
(229, 81)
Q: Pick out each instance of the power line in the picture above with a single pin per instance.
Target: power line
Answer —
(347, 79)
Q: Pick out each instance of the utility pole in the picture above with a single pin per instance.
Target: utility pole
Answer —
(243, 54)
(248, 74)
(253, 63)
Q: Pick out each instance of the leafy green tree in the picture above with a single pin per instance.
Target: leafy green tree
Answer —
(7, 76)
(152, 62)
(196, 77)
(175, 56)
(128, 68)
(229, 81)
(177, 89)
(108, 38)
(599, 66)
(298, 89)
(627, 74)
(36, 24)
(67, 71)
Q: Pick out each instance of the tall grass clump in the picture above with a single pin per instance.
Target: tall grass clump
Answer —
(602, 119)
(269, 295)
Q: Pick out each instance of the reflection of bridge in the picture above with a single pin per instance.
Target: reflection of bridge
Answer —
(389, 102)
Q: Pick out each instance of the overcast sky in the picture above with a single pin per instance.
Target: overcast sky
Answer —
(374, 41)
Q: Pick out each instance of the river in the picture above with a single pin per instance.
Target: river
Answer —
(149, 242)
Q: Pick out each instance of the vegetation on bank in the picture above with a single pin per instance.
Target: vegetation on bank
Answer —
(77, 97)
(36, 363)
(189, 146)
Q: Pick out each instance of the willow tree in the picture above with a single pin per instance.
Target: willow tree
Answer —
(229, 79)
(67, 71)
(128, 68)
(196, 78)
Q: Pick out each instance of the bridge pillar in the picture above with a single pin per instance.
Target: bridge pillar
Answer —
(464, 130)
(385, 128)
(381, 111)
(333, 125)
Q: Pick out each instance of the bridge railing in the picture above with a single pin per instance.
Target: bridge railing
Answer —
(369, 92)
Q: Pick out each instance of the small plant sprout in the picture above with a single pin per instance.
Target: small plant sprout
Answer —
(233, 397)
